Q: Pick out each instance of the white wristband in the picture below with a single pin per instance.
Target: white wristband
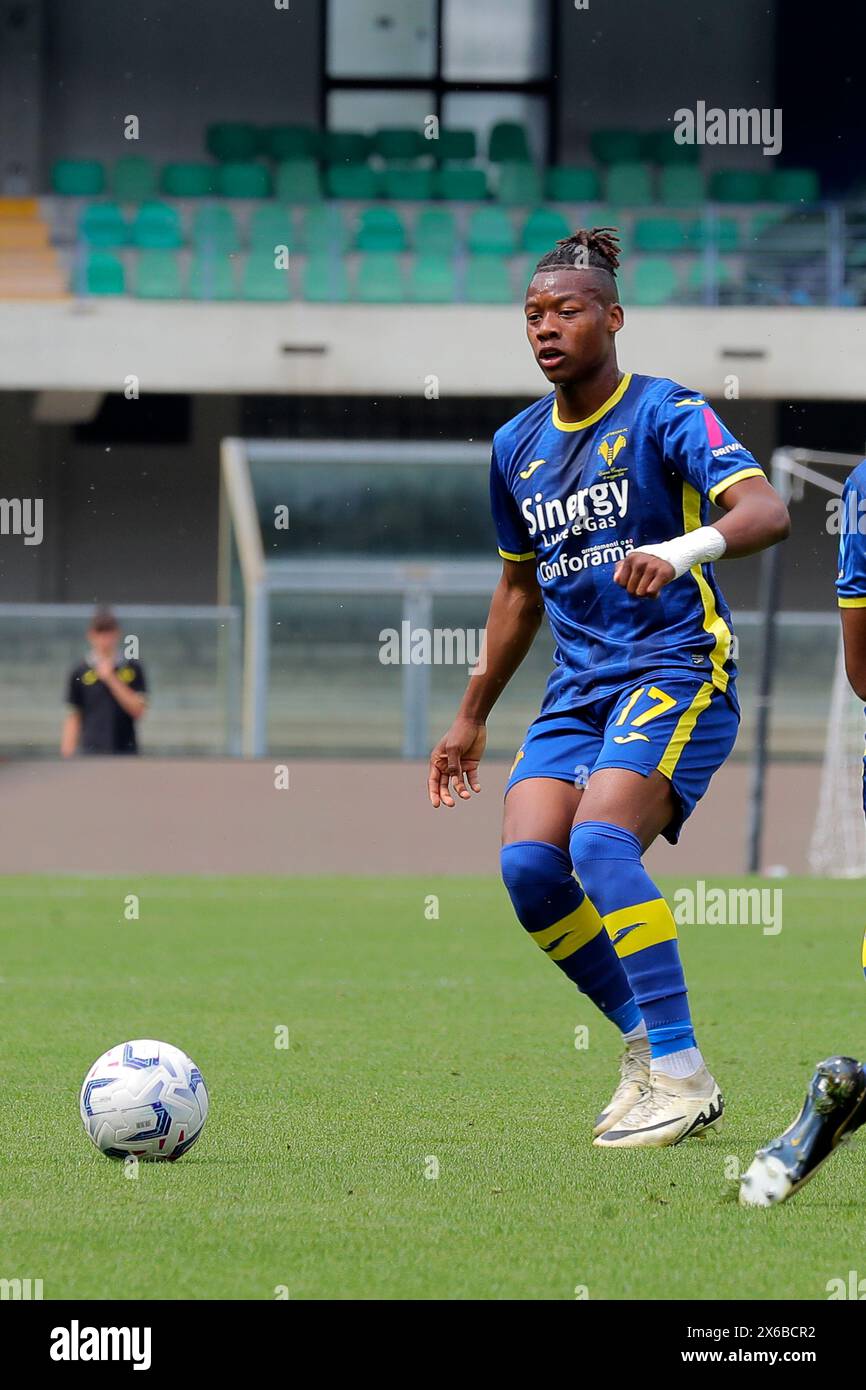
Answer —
(699, 547)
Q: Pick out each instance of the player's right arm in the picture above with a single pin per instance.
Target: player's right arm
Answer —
(851, 581)
(70, 733)
(513, 620)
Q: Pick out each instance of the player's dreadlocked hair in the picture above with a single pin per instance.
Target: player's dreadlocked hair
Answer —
(596, 248)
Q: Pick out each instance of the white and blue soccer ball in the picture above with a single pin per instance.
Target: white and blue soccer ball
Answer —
(144, 1098)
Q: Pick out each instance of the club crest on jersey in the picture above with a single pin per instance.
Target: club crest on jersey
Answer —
(611, 446)
(610, 451)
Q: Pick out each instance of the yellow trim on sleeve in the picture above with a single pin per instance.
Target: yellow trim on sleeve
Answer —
(732, 478)
(852, 602)
(684, 728)
(714, 623)
(507, 555)
(602, 410)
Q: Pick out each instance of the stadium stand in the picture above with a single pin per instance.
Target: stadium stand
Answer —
(448, 215)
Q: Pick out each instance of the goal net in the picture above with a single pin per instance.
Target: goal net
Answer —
(838, 844)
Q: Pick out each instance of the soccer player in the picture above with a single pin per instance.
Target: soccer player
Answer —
(835, 1104)
(600, 494)
(106, 694)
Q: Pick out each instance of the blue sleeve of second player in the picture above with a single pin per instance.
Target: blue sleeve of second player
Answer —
(851, 579)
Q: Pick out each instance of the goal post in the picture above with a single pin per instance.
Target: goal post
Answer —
(838, 843)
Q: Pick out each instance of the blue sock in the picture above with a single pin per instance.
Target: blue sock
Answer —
(607, 860)
(559, 917)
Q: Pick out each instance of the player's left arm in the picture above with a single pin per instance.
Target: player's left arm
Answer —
(718, 467)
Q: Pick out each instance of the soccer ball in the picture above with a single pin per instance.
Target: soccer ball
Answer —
(144, 1098)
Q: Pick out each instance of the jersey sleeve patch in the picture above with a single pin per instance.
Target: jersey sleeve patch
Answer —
(700, 447)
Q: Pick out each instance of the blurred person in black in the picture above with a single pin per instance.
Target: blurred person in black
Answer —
(106, 694)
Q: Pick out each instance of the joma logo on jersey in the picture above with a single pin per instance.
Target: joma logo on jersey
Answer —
(579, 510)
(531, 467)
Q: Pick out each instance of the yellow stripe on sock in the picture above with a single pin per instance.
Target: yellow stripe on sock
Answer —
(570, 933)
(683, 731)
(645, 924)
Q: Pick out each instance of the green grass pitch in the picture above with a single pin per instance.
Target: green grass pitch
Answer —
(411, 1040)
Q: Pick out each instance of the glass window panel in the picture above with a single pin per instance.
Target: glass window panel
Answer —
(479, 111)
(369, 110)
(491, 41)
(382, 511)
(381, 38)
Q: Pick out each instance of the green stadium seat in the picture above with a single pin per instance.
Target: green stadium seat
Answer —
(660, 234)
(519, 185)
(681, 185)
(103, 274)
(324, 279)
(727, 232)
(432, 280)
(491, 231)
(133, 179)
(103, 224)
(399, 143)
(298, 181)
(571, 184)
(653, 281)
(379, 279)
(699, 275)
(616, 146)
(285, 143)
(488, 280)
(508, 144)
(660, 147)
(78, 178)
(157, 225)
(380, 229)
(188, 180)
(407, 184)
(211, 277)
(737, 186)
(356, 181)
(237, 180)
(793, 186)
(214, 229)
(232, 140)
(272, 226)
(345, 146)
(262, 279)
(762, 222)
(158, 275)
(629, 185)
(435, 232)
(460, 184)
(542, 229)
(325, 229)
(454, 144)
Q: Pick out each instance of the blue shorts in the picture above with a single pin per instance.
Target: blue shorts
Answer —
(683, 727)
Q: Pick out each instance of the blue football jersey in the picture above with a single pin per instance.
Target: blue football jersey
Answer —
(851, 580)
(576, 498)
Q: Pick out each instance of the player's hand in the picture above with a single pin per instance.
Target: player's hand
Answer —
(104, 668)
(456, 755)
(642, 575)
